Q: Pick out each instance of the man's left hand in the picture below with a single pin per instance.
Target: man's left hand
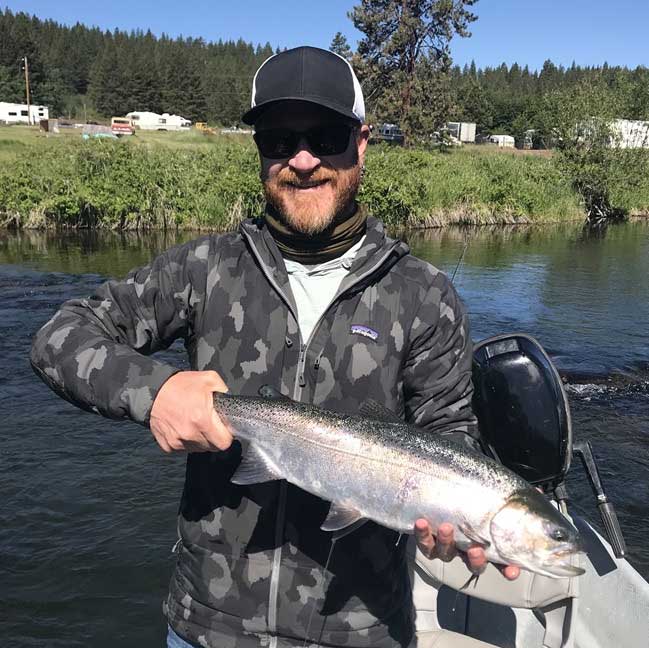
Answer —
(443, 547)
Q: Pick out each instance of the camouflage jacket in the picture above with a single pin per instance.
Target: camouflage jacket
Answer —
(253, 567)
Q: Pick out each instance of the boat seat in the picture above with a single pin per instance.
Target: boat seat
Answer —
(551, 598)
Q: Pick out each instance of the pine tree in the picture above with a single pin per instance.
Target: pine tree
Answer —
(340, 46)
(404, 56)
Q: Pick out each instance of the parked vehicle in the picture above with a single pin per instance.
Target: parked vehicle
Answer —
(390, 133)
(462, 131)
(154, 121)
(502, 141)
(13, 113)
(122, 126)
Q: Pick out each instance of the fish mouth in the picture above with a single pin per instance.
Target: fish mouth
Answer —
(560, 564)
(561, 570)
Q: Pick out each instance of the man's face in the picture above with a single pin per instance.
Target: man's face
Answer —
(307, 189)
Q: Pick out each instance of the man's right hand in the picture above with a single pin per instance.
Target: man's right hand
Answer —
(183, 416)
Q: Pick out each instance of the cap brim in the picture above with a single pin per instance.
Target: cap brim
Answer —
(253, 114)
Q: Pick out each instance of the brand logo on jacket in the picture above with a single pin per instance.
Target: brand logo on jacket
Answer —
(365, 331)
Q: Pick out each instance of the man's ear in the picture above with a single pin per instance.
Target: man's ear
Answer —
(362, 139)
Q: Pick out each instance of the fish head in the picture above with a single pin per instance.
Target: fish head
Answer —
(528, 531)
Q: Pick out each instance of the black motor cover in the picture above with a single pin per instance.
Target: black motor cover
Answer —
(522, 409)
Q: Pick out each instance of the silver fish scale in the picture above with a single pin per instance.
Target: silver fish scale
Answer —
(389, 472)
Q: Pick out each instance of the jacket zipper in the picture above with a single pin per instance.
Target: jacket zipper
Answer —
(300, 383)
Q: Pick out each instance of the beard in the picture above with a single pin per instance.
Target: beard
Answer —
(313, 214)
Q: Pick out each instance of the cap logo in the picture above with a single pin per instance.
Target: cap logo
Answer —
(365, 331)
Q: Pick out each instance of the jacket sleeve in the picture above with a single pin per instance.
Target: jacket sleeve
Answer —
(437, 371)
(94, 352)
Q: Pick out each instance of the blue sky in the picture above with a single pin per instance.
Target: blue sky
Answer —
(524, 31)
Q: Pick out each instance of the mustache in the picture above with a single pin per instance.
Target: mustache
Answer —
(289, 177)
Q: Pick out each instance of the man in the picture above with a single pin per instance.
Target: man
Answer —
(314, 299)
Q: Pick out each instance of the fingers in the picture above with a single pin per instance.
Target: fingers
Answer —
(443, 547)
(424, 537)
(446, 550)
(476, 559)
(511, 572)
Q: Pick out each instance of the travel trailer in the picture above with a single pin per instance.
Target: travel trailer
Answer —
(12, 113)
(154, 121)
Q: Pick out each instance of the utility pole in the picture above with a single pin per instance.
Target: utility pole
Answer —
(29, 109)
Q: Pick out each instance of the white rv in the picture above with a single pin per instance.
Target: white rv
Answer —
(12, 113)
(462, 131)
(503, 141)
(164, 122)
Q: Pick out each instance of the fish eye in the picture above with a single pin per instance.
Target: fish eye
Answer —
(559, 534)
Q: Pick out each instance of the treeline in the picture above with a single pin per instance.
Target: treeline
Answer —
(83, 72)
(510, 100)
(86, 72)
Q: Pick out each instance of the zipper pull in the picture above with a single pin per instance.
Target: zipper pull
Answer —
(316, 365)
(300, 368)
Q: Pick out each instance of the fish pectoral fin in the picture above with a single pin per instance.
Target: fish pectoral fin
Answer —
(340, 517)
(374, 410)
(473, 535)
(254, 469)
(268, 391)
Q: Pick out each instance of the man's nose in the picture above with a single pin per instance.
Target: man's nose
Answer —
(303, 160)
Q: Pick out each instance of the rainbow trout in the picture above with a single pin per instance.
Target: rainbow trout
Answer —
(377, 467)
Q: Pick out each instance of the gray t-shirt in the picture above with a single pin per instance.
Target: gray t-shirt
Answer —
(315, 286)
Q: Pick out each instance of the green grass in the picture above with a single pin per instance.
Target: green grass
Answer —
(192, 180)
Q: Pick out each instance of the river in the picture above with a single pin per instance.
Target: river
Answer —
(88, 516)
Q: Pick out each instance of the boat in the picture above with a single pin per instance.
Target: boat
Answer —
(525, 423)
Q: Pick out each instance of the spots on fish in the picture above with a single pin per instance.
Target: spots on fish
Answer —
(408, 487)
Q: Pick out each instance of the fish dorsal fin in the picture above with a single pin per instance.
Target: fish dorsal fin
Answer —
(254, 469)
(473, 535)
(340, 517)
(374, 410)
(267, 391)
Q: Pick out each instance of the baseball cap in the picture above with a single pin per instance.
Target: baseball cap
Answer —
(307, 74)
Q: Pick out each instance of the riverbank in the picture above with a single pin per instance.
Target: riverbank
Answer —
(193, 181)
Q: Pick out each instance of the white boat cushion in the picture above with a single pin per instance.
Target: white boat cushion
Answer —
(527, 591)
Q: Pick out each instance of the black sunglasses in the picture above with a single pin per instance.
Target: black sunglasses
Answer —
(278, 143)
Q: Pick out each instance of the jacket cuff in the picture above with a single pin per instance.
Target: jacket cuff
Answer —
(138, 396)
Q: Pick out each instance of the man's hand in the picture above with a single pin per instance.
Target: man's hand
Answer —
(183, 416)
(443, 547)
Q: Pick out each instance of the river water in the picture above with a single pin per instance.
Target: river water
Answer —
(87, 520)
